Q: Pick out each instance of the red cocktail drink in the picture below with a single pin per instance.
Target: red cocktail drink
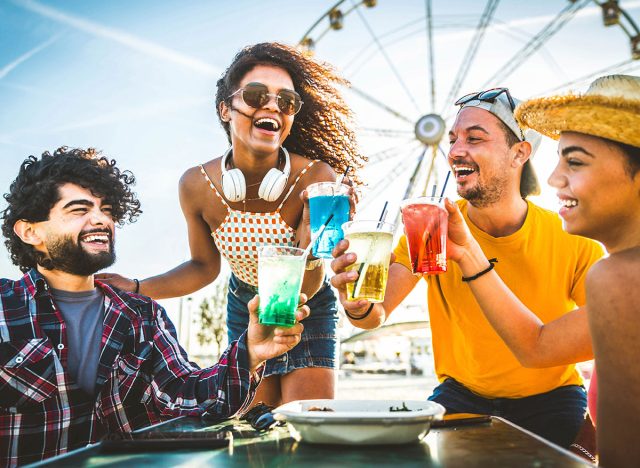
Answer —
(425, 225)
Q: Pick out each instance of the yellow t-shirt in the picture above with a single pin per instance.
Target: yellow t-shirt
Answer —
(545, 267)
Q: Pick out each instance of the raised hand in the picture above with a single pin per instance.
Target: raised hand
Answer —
(339, 281)
(459, 239)
(266, 342)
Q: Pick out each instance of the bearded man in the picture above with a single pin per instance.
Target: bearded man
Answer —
(542, 265)
(78, 358)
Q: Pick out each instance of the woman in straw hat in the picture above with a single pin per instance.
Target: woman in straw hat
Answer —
(598, 183)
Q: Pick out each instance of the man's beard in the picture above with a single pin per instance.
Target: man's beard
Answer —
(68, 256)
(483, 195)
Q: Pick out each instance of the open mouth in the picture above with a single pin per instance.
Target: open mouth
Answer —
(462, 171)
(99, 239)
(267, 124)
(567, 203)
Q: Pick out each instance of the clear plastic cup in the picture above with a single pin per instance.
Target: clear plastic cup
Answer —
(425, 224)
(280, 272)
(372, 242)
(326, 199)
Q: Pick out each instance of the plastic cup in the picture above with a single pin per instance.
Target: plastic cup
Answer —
(280, 272)
(325, 199)
(372, 242)
(425, 225)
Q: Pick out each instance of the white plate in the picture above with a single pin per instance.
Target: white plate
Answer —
(360, 422)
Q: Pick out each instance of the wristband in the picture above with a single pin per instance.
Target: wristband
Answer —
(366, 314)
(137, 290)
(492, 261)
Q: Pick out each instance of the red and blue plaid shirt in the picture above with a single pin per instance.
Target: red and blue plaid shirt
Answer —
(144, 375)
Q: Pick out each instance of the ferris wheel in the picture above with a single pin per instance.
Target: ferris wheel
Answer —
(489, 52)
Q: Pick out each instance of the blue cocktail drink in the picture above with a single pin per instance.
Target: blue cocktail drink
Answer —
(325, 199)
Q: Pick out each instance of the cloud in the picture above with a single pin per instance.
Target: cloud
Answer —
(4, 71)
(128, 40)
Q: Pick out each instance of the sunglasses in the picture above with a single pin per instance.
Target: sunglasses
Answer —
(257, 95)
(490, 95)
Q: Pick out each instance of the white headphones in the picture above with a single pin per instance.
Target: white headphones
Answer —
(271, 187)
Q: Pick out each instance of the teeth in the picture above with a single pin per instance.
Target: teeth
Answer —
(96, 237)
(266, 120)
(568, 203)
(462, 169)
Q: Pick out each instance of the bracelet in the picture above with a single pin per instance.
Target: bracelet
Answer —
(584, 451)
(312, 264)
(137, 290)
(492, 261)
(366, 314)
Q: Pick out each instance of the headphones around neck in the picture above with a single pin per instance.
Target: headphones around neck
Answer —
(271, 187)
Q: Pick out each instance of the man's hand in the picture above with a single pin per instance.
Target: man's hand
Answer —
(266, 342)
(116, 280)
(459, 238)
(342, 277)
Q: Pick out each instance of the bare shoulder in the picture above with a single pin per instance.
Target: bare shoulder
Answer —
(194, 187)
(193, 180)
(613, 285)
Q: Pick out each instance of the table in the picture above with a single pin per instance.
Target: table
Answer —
(498, 443)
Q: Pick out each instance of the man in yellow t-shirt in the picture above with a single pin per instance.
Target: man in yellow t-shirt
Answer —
(542, 265)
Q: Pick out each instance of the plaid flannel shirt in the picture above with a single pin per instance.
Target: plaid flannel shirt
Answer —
(144, 375)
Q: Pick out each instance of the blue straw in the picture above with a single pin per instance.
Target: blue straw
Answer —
(444, 187)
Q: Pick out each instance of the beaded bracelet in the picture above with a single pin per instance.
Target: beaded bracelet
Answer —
(585, 451)
(466, 279)
(366, 314)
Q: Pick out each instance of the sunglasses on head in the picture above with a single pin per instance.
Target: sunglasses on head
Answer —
(490, 95)
(257, 95)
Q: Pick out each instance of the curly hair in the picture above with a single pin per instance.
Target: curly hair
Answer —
(34, 192)
(323, 127)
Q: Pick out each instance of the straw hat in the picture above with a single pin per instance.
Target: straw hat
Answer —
(609, 109)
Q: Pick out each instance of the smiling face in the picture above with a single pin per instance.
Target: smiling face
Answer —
(598, 197)
(480, 157)
(78, 236)
(260, 131)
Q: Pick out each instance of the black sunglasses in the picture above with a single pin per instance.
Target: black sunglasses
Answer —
(490, 95)
(257, 95)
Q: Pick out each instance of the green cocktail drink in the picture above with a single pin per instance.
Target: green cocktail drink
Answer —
(280, 272)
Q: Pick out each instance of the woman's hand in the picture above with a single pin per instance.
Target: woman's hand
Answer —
(266, 342)
(303, 233)
(117, 281)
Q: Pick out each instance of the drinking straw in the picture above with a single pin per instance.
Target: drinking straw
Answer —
(318, 234)
(362, 271)
(383, 215)
(433, 191)
(444, 187)
(341, 178)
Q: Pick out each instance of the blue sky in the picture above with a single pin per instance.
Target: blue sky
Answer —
(137, 80)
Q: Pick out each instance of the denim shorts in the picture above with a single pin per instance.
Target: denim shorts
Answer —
(556, 415)
(318, 346)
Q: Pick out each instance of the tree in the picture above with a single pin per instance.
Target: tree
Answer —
(211, 319)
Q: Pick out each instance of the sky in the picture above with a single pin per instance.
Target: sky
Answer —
(137, 81)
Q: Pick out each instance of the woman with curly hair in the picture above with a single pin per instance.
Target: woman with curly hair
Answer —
(288, 127)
